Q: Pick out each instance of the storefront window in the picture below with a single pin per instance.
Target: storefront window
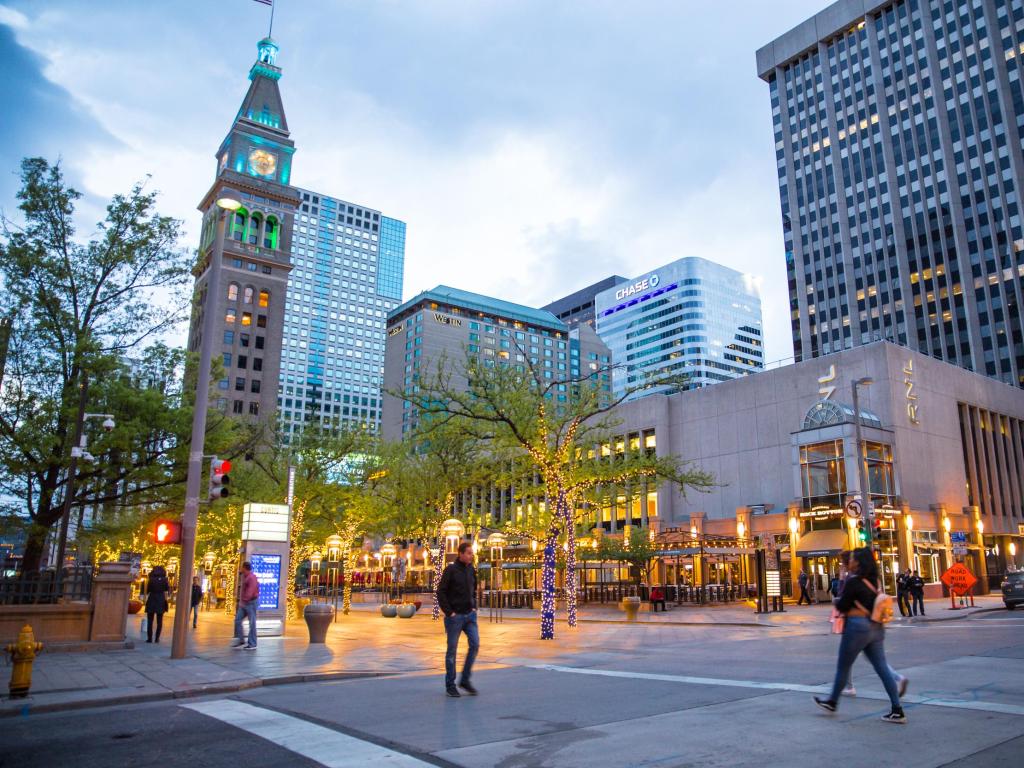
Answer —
(823, 474)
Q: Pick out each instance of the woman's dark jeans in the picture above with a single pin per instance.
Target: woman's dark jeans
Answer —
(862, 634)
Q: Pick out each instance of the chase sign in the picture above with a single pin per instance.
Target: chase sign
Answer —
(638, 286)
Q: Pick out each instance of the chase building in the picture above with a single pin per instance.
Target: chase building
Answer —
(693, 319)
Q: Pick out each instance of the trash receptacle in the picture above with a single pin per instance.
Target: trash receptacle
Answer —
(318, 618)
(631, 605)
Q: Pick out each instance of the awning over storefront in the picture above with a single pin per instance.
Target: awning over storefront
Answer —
(827, 542)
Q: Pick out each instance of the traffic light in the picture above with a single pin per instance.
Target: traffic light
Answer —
(877, 525)
(167, 532)
(219, 478)
(862, 534)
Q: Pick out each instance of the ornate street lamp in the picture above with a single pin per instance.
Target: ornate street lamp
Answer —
(452, 530)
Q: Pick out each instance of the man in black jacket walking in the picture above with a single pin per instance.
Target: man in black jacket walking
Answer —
(456, 594)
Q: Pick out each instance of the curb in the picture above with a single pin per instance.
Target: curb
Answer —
(185, 693)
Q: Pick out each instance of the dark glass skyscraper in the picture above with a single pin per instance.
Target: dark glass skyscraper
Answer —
(898, 140)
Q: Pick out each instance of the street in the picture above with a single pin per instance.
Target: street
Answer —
(607, 694)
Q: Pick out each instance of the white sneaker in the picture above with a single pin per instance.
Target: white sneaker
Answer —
(901, 685)
(849, 691)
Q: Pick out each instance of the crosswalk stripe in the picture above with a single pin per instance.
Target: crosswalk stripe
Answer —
(981, 706)
(323, 745)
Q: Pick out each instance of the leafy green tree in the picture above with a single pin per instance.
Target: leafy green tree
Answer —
(550, 430)
(78, 308)
(637, 550)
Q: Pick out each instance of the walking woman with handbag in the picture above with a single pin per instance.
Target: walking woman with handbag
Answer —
(157, 587)
(865, 608)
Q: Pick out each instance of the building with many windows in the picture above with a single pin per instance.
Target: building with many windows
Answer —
(943, 447)
(691, 318)
(450, 323)
(347, 275)
(898, 129)
(253, 169)
(578, 307)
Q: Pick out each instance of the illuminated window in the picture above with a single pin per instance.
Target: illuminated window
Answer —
(230, 316)
(238, 222)
(246, 318)
(264, 298)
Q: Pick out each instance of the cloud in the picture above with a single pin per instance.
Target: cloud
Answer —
(40, 118)
(533, 148)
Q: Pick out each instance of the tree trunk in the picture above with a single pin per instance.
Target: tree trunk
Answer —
(35, 546)
(438, 568)
(547, 595)
(570, 557)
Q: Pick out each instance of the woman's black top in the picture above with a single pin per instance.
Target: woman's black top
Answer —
(856, 590)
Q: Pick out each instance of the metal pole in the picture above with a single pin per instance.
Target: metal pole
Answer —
(861, 468)
(69, 485)
(190, 514)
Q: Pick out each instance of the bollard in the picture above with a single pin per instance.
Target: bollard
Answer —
(23, 653)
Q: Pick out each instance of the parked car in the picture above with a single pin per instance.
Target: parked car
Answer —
(1013, 590)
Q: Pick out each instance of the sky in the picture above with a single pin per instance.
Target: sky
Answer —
(532, 146)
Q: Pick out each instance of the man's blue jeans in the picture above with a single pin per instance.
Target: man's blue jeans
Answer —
(246, 610)
(195, 614)
(454, 626)
(862, 634)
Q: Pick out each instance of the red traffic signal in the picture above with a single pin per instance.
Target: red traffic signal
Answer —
(167, 532)
(219, 478)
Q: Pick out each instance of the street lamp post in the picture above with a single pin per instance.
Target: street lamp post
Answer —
(190, 514)
(77, 452)
(862, 474)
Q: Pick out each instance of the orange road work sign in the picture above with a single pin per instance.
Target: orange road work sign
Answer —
(959, 579)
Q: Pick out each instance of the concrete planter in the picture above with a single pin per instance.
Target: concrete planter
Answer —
(631, 605)
(406, 611)
(318, 618)
(389, 611)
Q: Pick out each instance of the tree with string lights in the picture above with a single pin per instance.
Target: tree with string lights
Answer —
(553, 430)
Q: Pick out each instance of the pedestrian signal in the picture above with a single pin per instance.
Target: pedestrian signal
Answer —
(167, 532)
(219, 478)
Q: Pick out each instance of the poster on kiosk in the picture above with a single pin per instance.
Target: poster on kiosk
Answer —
(266, 529)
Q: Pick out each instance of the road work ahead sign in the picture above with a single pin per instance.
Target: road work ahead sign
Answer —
(959, 579)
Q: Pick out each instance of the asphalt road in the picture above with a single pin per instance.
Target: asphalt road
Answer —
(629, 696)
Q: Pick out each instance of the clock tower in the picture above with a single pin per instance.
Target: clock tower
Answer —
(254, 165)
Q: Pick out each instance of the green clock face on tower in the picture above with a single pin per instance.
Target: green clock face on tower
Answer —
(262, 163)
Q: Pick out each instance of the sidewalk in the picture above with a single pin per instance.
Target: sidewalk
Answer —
(359, 645)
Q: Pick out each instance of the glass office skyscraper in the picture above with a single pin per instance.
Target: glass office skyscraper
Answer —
(898, 130)
(347, 275)
(691, 318)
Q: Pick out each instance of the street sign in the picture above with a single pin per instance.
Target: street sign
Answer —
(853, 508)
(773, 583)
(959, 579)
(959, 541)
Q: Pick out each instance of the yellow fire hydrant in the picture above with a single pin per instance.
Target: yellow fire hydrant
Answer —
(23, 653)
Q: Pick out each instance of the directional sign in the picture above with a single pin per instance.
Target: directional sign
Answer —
(959, 541)
(959, 579)
(853, 508)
